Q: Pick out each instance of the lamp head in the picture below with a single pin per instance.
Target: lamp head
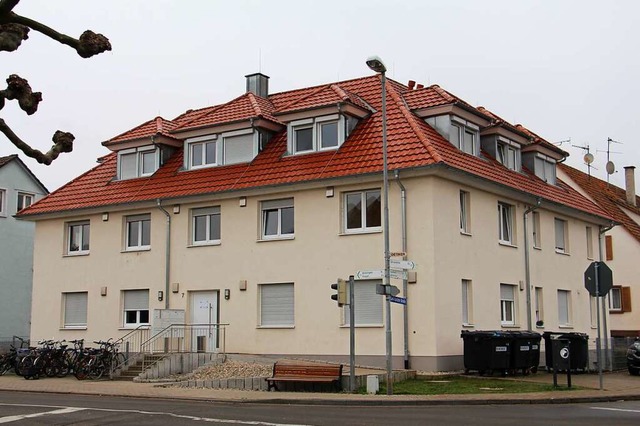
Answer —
(376, 64)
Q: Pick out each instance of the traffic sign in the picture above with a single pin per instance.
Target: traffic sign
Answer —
(398, 274)
(370, 274)
(387, 290)
(604, 276)
(402, 264)
(400, 300)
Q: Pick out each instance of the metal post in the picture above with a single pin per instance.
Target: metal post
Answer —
(352, 336)
(598, 345)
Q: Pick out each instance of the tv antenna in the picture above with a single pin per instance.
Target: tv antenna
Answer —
(611, 168)
(559, 143)
(588, 157)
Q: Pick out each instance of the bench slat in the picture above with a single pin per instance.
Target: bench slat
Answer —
(289, 372)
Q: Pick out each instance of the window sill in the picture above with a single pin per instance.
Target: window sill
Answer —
(363, 326)
(135, 250)
(615, 311)
(466, 233)
(276, 327)
(73, 328)
(509, 326)
(564, 253)
(468, 326)
(566, 326)
(133, 327)
(209, 244)
(362, 232)
(537, 248)
(82, 253)
(507, 244)
(282, 238)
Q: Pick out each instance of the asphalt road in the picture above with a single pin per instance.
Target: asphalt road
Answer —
(56, 409)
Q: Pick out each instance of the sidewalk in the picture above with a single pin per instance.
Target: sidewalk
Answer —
(617, 386)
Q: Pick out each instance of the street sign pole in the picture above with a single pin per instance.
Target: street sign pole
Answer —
(352, 336)
(599, 354)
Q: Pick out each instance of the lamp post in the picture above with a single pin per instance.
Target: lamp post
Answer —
(376, 64)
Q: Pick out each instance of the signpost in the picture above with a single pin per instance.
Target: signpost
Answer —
(403, 264)
(400, 300)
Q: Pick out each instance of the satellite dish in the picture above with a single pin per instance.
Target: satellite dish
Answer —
(588, 158)
(611, 168)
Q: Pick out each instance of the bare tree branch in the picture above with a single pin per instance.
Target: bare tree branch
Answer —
(11, 36)
(18, 88)
(62, 142)
(7, 5)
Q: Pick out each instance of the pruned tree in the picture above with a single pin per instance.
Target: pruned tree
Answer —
(14, 29)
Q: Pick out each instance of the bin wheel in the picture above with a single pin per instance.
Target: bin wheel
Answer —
(534, 370)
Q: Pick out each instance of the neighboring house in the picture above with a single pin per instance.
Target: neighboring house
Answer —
(621, 245)
(244, 213)
(19, 188)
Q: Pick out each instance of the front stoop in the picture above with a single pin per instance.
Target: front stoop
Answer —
(138, 367)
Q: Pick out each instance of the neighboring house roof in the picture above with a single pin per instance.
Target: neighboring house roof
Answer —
(412, 143)
(14, 157)
(609, 197)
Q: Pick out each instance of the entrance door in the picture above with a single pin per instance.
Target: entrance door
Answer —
(204, 320)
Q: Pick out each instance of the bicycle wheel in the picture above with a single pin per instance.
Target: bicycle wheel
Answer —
(64, 366)
(120, 359)
(29, 368)
(81, 369)
(96, 368)
(5, 365)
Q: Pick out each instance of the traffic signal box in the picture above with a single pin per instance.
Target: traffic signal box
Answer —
(341, 294)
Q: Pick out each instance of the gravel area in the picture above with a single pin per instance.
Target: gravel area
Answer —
(229, 369)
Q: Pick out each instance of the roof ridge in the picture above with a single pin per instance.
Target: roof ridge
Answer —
(339, 91)
(128, 131)
(308, 95)
(254, 104)
(448, 96)
(411, 121)
(214, 108)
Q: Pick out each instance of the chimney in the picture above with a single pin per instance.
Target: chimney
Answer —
(258, 84)
(420, 86)
(411, 84)
(630, 184)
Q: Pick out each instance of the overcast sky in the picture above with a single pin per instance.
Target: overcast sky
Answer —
(565, 69)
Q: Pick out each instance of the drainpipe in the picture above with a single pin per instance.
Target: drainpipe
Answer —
(607, 358)
(403, 208)
(527, 268)
(167, 255)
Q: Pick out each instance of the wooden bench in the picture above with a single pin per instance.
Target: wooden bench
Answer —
(305, 373)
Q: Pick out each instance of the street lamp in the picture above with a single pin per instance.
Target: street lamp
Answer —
(376, 64)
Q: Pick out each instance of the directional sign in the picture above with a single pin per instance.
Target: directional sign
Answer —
(385, 290)
(400, 300)
(604, 275)
(397, 274)
(370, 275)
(402, 264)
(397, 253)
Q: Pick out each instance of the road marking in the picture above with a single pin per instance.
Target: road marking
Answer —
(64, 410)
(9, 419)
(616, 409)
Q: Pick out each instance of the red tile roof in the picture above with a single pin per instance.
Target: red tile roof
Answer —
(156, 126)
(609, 197)
(412, 143)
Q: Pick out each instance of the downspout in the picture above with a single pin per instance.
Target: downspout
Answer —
(607, 358)
(405, 282)
(527, 268)
(167, 255)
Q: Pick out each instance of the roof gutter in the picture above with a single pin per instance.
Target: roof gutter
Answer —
(607, 358)
(167, 254)
(527, 261)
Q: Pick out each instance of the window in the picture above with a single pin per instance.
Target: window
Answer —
(277, 219)
(138, 162)
(78, 238)
(467, 297)
(593, 311)
(75, 309)
(277, 305)
(539, 307)
(138, 232)
(505, 217)
(589, 235)
(24, 200)
(136, 307)
(317, 134)
(537, 240)
(465, 223)
(608, 247)
(362, 211)
(202, 154)
(561, 236)
(620, 299)
(507, 304)
(205, 226)
(545, 168)
(464, 136)
(564, 308)
(368, 304)
(507, 155)
(238, 147)
(3, 202)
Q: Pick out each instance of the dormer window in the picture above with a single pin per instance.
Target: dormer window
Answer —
(316, 134)
(235, 147)
(203, 154)
(545, 168)
(138, 162)
(508, 153)
(464, 135)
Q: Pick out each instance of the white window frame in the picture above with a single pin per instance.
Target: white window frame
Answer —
(508, 305)
(136, 305)
(508, 154)
(465, 212)
(278, 206)
(561, 227)
(363, 212)
(139, 154)
(276, 305)
(3, 202)
(615, 302)
(74, 306)
(369, 305)
(24, 196)
(589, 236)
(564, 308)
(506, 213)
(207, 212)
(539, 306)
(462, 127)
(70, 228)
(545, 168)
(467, 302)
(593, 311)
(201, 142)
(139, 219)
(315, 124)
(535, 229)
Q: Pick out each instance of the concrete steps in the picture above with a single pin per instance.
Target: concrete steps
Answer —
(133, 370)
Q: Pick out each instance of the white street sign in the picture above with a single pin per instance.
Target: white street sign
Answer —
(370, 275)
(403, 264)
(397, 253)
(397, 274)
